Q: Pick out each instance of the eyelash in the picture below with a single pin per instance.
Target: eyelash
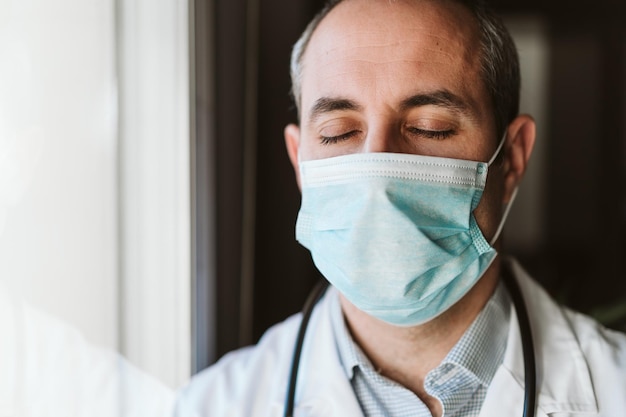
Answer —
(432, 134)
(329, 140)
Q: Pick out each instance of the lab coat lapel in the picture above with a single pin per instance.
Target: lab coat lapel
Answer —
(563, 378)
(323, 388)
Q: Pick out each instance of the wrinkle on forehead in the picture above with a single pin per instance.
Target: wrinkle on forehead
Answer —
(322, 56)
(350, 59)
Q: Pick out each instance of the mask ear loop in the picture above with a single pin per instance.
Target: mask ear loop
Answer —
(498, 149)
(507, 209)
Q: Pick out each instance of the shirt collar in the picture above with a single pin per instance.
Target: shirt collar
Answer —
(479, 351)
(481, 348)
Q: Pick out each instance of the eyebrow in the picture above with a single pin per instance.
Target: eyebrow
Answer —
(441, 98)
(328, 104)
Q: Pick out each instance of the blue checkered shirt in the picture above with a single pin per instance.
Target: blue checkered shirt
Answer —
(460, 382)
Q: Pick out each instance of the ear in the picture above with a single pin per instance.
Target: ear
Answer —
(292, 140)
(519, 146)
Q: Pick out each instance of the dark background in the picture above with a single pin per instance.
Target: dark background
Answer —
(242, 82)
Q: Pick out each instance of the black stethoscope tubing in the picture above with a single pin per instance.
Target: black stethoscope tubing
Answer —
(309, 304)
(530, 377)
(528, 352)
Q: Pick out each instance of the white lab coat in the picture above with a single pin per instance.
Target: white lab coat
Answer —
(47, 369)
(581, 369)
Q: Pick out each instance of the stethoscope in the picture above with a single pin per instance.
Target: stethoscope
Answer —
(522, 319)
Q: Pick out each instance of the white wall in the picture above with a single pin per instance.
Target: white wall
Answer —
(155, 186)
(58, 160)
(94, 171)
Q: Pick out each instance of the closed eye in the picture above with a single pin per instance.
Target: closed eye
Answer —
(431, 134)
(330, 140)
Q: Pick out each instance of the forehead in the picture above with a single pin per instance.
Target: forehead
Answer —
(387, 46)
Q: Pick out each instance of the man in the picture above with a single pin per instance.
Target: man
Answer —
(408, 152)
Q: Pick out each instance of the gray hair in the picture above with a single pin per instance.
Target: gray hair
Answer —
(499, 61)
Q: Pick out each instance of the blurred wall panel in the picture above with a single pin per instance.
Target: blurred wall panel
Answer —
(154, 186)
(58, 150)
(94, 172)
(525, 230)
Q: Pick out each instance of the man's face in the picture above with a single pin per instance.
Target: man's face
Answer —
(398, 76)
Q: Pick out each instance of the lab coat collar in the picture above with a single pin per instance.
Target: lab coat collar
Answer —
(563, 377)
(323, 388)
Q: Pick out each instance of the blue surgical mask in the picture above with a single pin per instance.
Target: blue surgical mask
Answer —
(396, 233)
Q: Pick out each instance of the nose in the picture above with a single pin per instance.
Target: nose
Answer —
(384, 139)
